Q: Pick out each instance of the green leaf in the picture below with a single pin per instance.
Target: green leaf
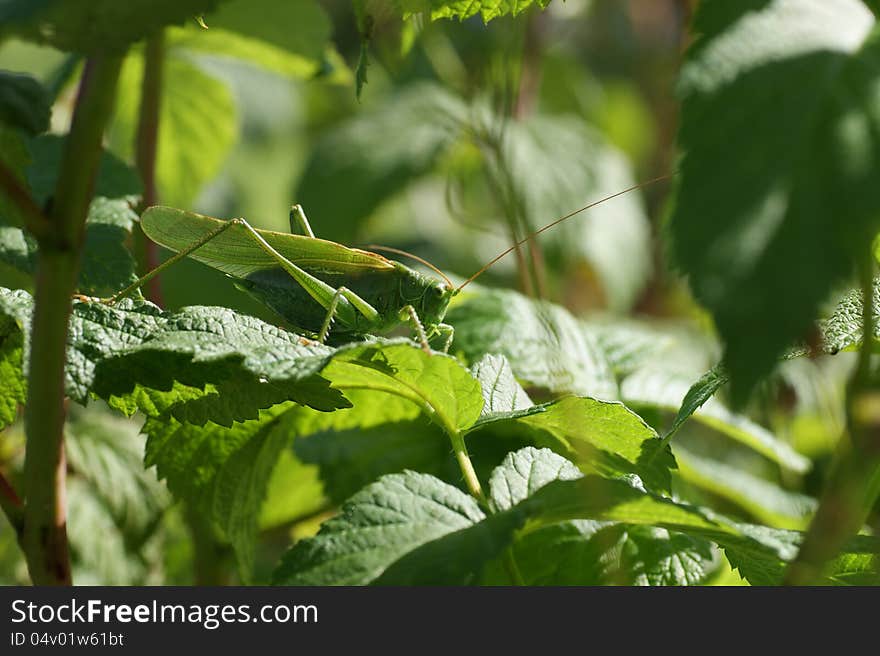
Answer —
(462, 9)
(433, 381)
(585, 552)
(115, 505)
(598, 436)
(559, 164)
(802, 145)
(762, 499)
(374, 158)
(197, 129)
(545, 345)
(375, 528)
(24, 103)
(224, 472)
(842, 331)
(301, 27)
(107, 264)
(525, 472)
(857, 564)
(13, 11)
(100, 26)
(289, 38)
(15, 155)
(660, 389)
(501, 392)
(107, 452)
(211, 364)
(200, 364)
(116, 179)
(760, 553)
(13, 387)
(380, 434)
(698, 394)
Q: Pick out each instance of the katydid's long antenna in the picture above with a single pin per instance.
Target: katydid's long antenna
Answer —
(557, 222)
(397, 251)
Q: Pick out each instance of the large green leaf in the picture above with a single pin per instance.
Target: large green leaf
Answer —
(764, 243)
(211, 364)
(24, 104)
(461, 9)
(412, 528)
(598, 436)
(200, 364)
(107, 452)
(223, 472)
(587, 552)
(558, 165)
(15, 156)
(375, 155)
(545, 345)
(670, 392)
(227, 472)
(115, 505)
(198, 125)
(375, 528)
(437, 383)
(762, 499)
(97, 26)
(107, 264)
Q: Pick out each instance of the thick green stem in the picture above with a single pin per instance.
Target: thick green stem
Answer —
(44, 536)
(852, 488)
(146, 148)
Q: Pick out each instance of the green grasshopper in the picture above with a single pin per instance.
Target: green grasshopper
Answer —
(315, 284)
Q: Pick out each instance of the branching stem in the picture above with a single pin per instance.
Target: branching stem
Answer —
(44, 535)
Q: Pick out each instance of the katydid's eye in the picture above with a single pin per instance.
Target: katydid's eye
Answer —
(440, 289)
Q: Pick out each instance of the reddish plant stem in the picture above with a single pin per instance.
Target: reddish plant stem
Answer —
(35, 221)
(11, 504)
(146, 149)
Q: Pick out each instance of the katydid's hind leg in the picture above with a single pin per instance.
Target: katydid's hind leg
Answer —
(419, 329)
(299, 224)
(324, 294)
(143, 280)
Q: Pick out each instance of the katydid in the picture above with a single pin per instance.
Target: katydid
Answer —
(315, 284)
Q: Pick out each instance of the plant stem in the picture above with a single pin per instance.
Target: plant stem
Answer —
(466, 466)
(146, 147)
(11, 504)
(44, 537)
(35, 221)
(852, 486)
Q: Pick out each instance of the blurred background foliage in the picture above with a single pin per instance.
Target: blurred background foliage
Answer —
(465, 136)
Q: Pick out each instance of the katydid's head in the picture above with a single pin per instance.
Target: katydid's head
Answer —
(430, 297)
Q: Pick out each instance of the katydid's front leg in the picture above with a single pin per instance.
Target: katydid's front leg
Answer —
(409, 312)
(447, 332)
